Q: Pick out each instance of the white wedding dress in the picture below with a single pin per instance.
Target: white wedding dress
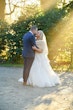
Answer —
(41, 73)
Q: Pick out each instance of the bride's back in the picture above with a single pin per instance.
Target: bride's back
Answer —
(40, 44)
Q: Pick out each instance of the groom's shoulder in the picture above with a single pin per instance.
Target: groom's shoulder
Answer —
(27, 34)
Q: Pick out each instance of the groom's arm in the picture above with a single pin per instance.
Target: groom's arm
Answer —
(33, 41)
(34, 46)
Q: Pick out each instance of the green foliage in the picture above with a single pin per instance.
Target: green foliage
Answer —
(44, 21)
(11, 36)
(3, 38)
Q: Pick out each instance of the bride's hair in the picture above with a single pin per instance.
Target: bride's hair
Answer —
(43, 38)
(41, 34)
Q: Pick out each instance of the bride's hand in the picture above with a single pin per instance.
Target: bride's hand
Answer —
(40, 50)
(37, 49)
(34, 47)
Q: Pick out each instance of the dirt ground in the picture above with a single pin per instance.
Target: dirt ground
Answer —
(15, 96)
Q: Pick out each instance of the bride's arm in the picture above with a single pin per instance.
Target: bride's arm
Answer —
(37, 49)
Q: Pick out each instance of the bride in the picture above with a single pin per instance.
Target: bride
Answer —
(41, 73)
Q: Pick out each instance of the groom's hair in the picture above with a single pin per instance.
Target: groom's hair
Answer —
(34, 27)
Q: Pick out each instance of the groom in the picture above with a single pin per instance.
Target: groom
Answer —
(29, 48)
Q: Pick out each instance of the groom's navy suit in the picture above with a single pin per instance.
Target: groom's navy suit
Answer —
(28, 53)
(28, 42)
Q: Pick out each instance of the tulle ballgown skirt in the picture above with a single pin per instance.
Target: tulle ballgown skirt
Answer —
(41, 73)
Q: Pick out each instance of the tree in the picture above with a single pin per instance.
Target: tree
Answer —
(2, 9)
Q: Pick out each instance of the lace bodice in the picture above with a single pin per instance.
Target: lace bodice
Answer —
(42, 45)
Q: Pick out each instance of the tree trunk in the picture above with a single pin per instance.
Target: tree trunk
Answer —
(2, 9)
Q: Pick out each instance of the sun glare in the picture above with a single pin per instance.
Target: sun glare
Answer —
(14, 8)
(37, 2)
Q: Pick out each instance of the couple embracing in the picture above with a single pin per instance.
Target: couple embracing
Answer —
(37, 69)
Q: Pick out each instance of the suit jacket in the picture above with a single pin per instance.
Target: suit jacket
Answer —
(28, 42)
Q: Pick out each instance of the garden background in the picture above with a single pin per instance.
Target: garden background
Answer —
(54, 17)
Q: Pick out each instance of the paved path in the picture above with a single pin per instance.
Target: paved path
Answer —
(14, 96)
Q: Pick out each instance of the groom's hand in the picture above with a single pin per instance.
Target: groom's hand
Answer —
(37, 49)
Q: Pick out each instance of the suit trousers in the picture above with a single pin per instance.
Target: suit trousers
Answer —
(28, 61)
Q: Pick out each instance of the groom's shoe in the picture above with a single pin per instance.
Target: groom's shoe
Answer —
(24, 83)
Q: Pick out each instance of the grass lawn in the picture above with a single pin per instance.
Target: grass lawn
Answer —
(11, 65)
